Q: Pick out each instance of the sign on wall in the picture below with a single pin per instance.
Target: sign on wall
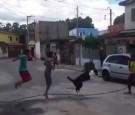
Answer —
(121, 49)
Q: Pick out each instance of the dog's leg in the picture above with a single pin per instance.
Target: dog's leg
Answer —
(79, 86)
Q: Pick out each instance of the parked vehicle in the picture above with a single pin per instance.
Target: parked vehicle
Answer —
(116, 66)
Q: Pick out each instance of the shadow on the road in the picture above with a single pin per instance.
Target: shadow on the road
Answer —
(120, 81)
(12, 109)
(33, 106)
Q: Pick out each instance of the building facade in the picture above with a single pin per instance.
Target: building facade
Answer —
(82, 52)
(52, 36)
(9, 45)
(122, 40)
(129, 14)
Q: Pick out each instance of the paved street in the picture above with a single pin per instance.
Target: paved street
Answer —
(28, 100)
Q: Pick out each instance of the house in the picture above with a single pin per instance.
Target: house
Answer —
(83, 32)
(9, 45)
(80, 50)
(129, 14)
(52, 36)
(110, 40)
(123, 39)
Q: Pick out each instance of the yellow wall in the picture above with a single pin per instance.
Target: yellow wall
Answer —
(5, 37)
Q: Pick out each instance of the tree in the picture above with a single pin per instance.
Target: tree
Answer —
(23, 29)
(82, 23)
(7, 28)
(15, 28)
(120, 19)
(91, 43)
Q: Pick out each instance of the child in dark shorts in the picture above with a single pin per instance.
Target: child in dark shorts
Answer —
(49, 66)
(25, 75)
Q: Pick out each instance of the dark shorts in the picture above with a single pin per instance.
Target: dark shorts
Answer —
(48, 78)
(25, 75)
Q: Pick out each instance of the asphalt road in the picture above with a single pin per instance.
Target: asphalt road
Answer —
(63, 98)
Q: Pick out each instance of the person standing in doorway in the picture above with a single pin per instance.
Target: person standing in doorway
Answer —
(131, 66)
(23, 70)
(49, 66)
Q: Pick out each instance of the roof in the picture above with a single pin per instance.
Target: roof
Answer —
(126, 33)
(85, 29)
(126, 2)
(8, 33)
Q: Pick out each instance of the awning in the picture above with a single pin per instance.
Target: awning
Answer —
(126, 2)
(15, 44)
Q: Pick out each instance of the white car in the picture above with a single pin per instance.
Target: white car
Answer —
(116, 66)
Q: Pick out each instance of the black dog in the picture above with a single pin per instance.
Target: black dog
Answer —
(78, 82)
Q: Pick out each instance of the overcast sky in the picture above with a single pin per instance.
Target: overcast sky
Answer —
(54, 10)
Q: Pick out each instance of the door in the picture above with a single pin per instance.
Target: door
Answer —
(113, 63)
(32, 51)
(123, 68)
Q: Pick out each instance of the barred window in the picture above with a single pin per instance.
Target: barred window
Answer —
(133, 14)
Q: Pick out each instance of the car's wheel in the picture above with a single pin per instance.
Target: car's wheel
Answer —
(106, 75)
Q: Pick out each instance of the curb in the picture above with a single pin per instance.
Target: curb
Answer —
(100, 74)
(72, 69)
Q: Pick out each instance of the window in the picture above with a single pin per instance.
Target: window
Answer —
(133, 14)
(91, 34)
(10, 38)
(124, 60)
(114, 59)
(83, 33)
(16, 38)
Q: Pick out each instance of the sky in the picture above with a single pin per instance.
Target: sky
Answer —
(54, 10)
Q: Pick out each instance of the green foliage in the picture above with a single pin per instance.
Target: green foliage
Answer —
(91, 42)
(89, 66)
(14, 28)
(82, 23)
(120, 19)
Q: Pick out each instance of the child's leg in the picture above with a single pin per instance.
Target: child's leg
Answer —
(48, 83)
(26, 77)
(58, 65)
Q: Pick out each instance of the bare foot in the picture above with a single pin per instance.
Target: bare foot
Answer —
(17, 85)
(46, 96)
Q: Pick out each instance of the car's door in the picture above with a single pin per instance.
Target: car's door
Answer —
(123, 67)
(113, 63)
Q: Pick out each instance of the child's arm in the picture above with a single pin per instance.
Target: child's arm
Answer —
(15, 59)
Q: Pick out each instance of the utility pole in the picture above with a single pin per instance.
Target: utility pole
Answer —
(110, 13)
(28, 31)
(110, 19)
(80, 48)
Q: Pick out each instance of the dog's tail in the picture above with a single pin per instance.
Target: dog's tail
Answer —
(70, 79)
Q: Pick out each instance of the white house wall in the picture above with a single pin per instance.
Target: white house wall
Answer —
(73, 32)
(37, 50)
(128, 23)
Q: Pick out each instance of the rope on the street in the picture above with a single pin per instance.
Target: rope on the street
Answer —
(87, 96)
